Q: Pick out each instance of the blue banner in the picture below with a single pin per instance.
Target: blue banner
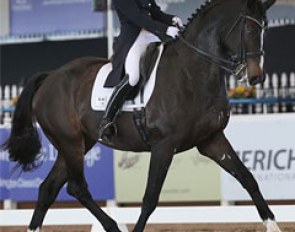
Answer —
(53, 16)
(24, 186)
(4, 167)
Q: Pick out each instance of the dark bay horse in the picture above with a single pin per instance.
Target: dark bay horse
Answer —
(189, 108)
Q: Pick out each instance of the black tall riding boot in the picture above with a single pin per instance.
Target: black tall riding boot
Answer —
(107, 128)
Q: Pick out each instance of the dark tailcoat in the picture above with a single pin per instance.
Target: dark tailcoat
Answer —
(135, 15)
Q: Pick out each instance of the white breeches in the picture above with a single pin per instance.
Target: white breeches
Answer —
(136, 51)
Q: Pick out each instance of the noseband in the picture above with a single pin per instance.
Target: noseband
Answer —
(236, 64)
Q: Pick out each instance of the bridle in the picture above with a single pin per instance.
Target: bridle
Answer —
(237, 63)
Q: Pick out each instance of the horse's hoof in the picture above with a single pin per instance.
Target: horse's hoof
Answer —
(37, 230)
(271, 226)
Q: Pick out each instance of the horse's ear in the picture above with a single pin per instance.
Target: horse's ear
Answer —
(251, 3)
(267, 4)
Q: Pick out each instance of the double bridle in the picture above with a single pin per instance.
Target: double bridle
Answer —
(236, 64)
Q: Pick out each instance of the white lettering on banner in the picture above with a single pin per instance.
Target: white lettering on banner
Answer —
(49, 153)
(94, 155)
(22, 5)
(4, 156)
(20, 183)
(62, 2)
(283, 159)
(52, 156)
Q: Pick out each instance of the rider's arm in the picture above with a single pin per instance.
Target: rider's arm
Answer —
(159, 15)
(132, 12)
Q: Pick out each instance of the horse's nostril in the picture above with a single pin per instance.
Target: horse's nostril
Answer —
(256, 80)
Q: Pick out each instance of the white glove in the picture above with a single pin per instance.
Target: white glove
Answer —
(176, 21)
(172, 31)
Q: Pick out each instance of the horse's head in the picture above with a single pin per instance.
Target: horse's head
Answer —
(243, 40)
(229, 34)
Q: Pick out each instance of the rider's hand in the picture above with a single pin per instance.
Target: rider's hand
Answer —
(176, 21)
(172, 32)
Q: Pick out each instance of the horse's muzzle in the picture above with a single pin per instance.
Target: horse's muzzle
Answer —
(257, 80)
(255, 72)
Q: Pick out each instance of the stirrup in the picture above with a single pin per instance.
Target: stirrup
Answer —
(107, 131)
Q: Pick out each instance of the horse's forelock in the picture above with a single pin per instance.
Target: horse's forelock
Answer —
(256, 7)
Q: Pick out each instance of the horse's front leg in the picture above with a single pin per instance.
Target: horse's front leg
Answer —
(161, 157)
(219, 149)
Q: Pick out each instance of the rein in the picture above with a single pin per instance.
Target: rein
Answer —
(238, 62)
(212, 58)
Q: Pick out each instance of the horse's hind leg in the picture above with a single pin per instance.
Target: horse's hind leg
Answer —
(77, 187)
(219, 149)
(48, 192)
(161, 157)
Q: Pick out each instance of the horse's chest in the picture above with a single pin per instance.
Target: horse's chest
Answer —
(212, 121)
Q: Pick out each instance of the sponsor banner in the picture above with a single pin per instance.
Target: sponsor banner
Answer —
(21, 186)
(266, 146)
(4, 166)
(53, 16)
(191, 177)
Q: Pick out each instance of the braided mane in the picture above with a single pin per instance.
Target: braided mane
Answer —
(199, 11)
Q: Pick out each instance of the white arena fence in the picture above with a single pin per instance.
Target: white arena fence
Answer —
(162, 215)
(275, 95)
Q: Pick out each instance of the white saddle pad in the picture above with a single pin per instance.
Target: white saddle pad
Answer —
(101, 95)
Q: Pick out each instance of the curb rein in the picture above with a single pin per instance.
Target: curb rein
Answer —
(237, 62)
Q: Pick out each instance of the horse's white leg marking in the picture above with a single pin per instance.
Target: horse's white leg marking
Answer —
(271, 226)
(37, 230)
(225, 156)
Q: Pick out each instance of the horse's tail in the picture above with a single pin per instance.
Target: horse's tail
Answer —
(24, 143)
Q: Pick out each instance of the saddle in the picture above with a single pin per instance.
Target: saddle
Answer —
(147, 64)
(148, 61)
(143, 90)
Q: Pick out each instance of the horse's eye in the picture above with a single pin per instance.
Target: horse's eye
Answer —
(252, 31)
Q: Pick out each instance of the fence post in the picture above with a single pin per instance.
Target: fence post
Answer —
(9, 204)
(275, 85)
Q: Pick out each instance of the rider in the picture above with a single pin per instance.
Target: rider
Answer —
(142, 22)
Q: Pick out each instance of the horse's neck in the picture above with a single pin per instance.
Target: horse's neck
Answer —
(193, 74)
(205, 34)
(205, 28)
(197, 71)
(207, 40)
